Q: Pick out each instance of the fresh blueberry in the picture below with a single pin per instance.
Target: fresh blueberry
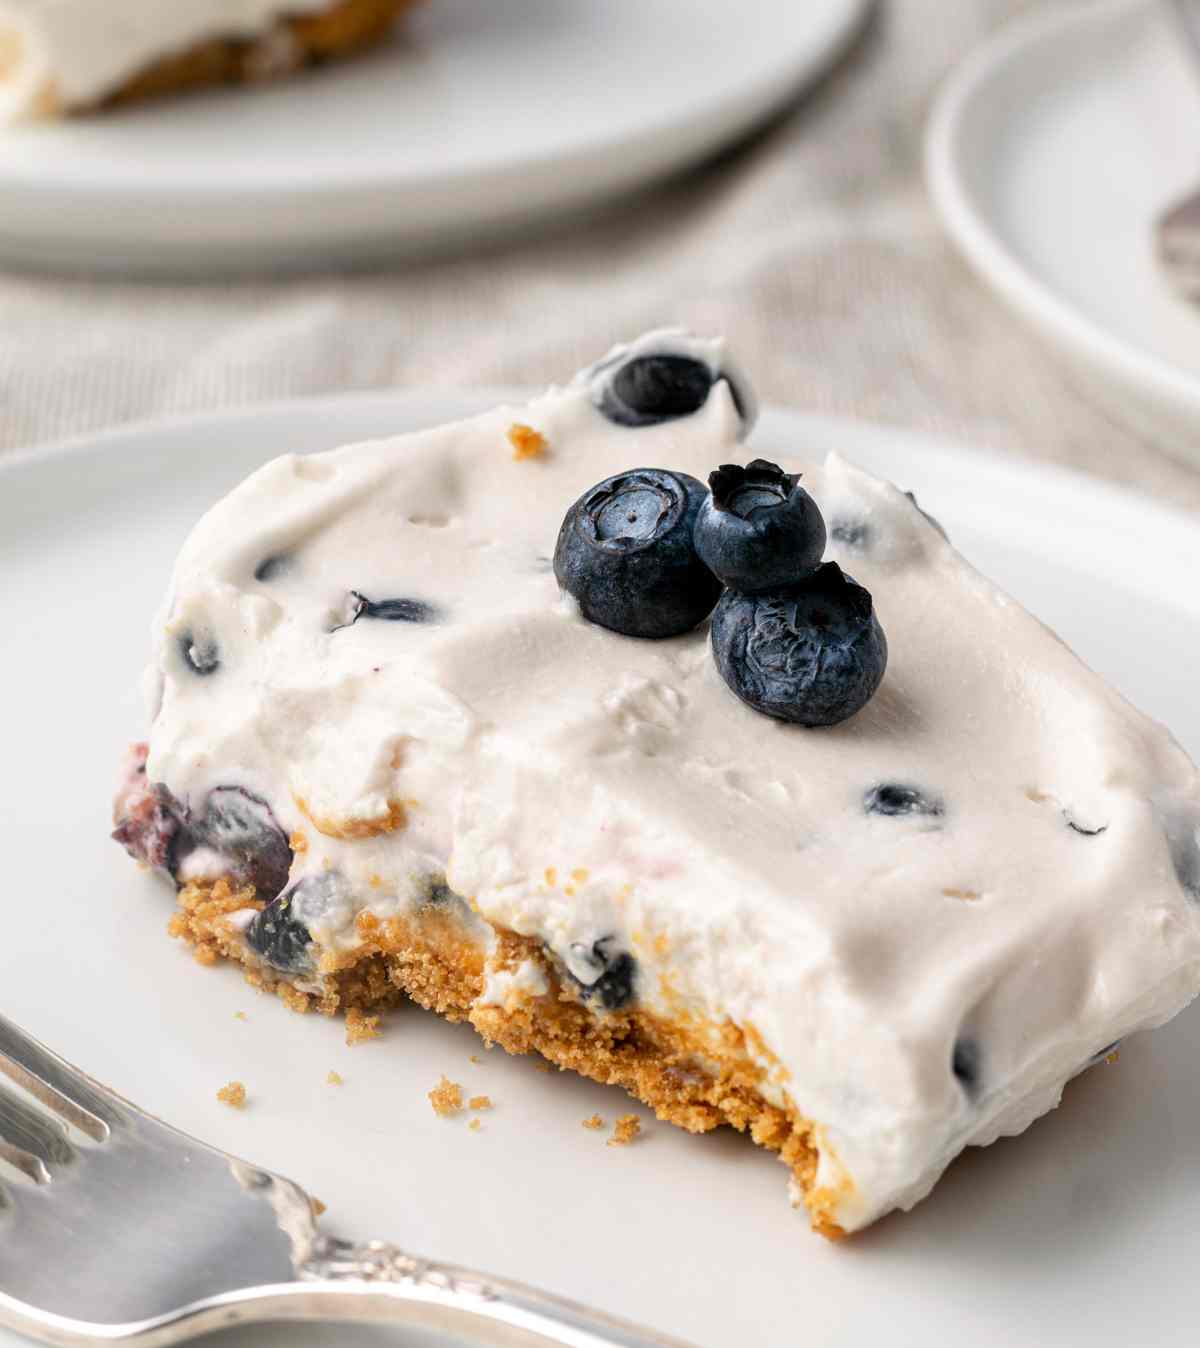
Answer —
(813, 654)
(646, 390)
(279, 938)
(896, 798)
(759, 529)
(271, 568)
(200, 652)
(965, 1064)
(241, 829)
(625, 553)
(603, 972)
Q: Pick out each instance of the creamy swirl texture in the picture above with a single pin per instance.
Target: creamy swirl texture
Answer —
(930, 916)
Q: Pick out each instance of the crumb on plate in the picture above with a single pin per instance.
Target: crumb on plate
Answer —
(626, 1128)
(232, 1094)
(446, 1097)
(480, 1102)
(595, 1123)
(360, 1027)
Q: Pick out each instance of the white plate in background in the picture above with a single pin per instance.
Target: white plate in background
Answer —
(1049, 155)
(473, 119)
(1083, 1230)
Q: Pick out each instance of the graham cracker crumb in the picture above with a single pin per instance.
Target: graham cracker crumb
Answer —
(239, 1015)
(480, 1102)
(334, 1078)
(298, 842)
(317, 1207)
(233, 1095)
(475, 1058)
(446, 1098)
(360, 1027)
(474, 1125)
(526, 442)
(967, 895)
(626, 1128)
(595, 1123)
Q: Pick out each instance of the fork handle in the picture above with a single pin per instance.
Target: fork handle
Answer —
(378, 1281)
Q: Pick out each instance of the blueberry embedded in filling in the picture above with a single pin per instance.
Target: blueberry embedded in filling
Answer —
(148, 819)
(625, 554)
(357, 606)
(434, 892)
(271, 568)
(851, 534)
(200, 652)
(650, 389)
(813, 654)
(241, 829)
(397, 610)
(603, 972)
(279, 938)
(898, 798)
(759, 529)
(965, 1065)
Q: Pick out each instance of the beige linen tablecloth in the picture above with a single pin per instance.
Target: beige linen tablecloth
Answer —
(814, 248)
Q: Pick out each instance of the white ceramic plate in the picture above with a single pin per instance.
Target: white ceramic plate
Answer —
(1083, 1230)
(1050, 153)
(474, 119)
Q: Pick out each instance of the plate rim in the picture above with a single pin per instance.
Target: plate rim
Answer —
(984, 247)
(349, 217)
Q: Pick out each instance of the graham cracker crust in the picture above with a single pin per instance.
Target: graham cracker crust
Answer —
(294, 42)
(694, 1076)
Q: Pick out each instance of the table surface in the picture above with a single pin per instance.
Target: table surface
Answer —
(814, 248)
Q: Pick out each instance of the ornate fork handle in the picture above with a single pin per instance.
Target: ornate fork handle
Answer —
(387, 1282)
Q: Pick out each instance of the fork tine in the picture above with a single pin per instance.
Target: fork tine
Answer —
(28, 1130)
(59, 1086)
(25, 1162)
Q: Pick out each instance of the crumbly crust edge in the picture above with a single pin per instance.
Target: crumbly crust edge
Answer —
(693, 1076)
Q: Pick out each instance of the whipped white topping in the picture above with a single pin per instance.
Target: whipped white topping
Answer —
(916, 981)
(83, 50)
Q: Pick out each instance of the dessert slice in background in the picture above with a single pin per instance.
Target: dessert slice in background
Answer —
(64, 57)
(869, 866)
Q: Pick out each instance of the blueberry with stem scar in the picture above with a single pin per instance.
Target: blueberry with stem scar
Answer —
(625, 554)
(759, 529)
(813, 654)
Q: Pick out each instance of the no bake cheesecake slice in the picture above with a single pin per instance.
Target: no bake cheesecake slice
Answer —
(61, 57)
(390, 758)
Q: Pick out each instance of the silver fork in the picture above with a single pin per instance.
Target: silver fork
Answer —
(1177, 229)
(117, 1228)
